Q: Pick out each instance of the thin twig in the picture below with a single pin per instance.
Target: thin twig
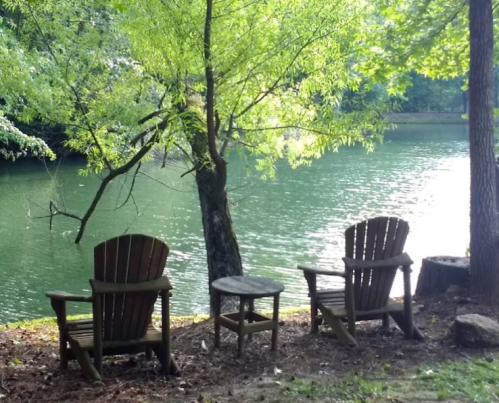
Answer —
(163, 183)
(131, 186)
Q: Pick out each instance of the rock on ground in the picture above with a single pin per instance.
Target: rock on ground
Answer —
(473, 330)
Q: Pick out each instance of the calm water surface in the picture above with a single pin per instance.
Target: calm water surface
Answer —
(420, 173)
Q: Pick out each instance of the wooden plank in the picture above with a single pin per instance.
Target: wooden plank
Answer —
(156, 267)
(140, 306)
(257, 317)
(398, 317)
(275, 323)
(359, 254)
(372, 231)
(248, 286)
(408, 302)
(159, 284)
(402, 232)
(132, 278)
(341, 312)
(228, 323)
(378, 276)
(122, 266)
(109, 276)
(350, 242)
(149, 338)
(335, 302)
(311, 279)
(330, 293)
(218, 311)
(390, 238)
(398, 230)
(338, 327)
(65, 296)
(89, 330)
(401, 260)
(360, 240)
(381, 238)
(318, 270)
(258, 327)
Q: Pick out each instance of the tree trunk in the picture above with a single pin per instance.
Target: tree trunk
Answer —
(484, 248)
(222, 249)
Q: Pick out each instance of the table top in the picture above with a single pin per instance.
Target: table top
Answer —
(248, 286)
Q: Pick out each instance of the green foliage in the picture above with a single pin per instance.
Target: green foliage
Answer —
(353, 389)
(15, 144)
(284, 72)
(430, 37)
(433, 95)
(67, 64)
(475, 380)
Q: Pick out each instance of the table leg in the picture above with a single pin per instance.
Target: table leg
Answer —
(275, 319)
(217, 298)
(251, 309)
(240, 338)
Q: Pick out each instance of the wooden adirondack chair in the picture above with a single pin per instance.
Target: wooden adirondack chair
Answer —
(373, 255)
(128, 277)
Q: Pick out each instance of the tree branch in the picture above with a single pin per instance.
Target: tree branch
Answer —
(131, 187)
(159, 126)
(152, 115)
(210, 101)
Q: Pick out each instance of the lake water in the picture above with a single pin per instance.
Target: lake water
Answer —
(420, 173)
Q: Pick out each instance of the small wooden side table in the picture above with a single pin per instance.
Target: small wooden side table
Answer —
(247, 288)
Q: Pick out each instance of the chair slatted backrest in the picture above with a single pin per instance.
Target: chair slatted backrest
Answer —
(374, 239)
(129, 259)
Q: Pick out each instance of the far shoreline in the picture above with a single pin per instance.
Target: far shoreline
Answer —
(427, 117)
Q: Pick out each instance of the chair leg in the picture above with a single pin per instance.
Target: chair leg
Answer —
(218, 310)
(338, 328)
(86, 364)
(60, 311)
(160, 352)
(386, 321)
(63, 350)
(399, 319)
(240, 328)
(314, 321)
(275, 319)
(251, 309)
(148, 353)
(341, 331)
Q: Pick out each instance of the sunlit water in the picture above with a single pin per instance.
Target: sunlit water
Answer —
(420, 173)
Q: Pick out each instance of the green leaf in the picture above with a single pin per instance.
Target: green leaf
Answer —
(16, 361)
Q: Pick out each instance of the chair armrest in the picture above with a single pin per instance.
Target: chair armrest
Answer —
(401, 260)
(65, 296)
(102, 287)
(309, 268)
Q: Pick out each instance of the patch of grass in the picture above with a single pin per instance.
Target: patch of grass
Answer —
(34, 324)
(176, 321)
(474, 380)
(352, 389)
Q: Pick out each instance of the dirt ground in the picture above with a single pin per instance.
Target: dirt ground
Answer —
(29, 366)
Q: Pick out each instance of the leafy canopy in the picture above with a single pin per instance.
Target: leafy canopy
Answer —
(282, 70)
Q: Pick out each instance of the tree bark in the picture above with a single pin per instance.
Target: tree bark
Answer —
(438, 273)
(484, 248)
(222, 249)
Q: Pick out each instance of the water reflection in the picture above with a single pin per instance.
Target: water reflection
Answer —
(420, 173)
